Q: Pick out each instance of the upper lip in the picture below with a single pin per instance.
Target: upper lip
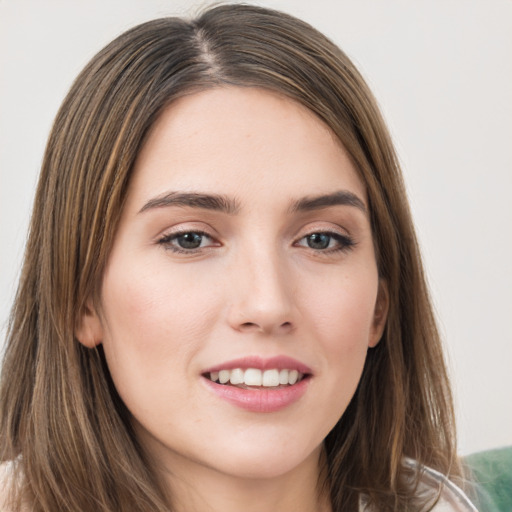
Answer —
(262, 363)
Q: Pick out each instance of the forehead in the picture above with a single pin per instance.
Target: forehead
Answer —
(241, 142)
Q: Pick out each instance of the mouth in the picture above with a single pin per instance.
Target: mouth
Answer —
(259, 385)
(255, 378)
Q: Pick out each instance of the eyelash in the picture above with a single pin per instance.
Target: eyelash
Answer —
(344, 242)
(167, 241)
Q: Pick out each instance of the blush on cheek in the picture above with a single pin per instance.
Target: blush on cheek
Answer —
(349, 318)
(154, 320)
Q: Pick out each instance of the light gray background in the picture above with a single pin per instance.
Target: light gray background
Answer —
(442, 72)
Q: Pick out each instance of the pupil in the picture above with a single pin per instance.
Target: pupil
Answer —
(190, 240)
(319, 241)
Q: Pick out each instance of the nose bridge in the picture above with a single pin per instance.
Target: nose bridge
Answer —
(262, 297)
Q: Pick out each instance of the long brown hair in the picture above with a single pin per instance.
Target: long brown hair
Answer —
(62, 421)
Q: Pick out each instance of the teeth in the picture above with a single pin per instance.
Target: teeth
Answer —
(224, 376)
(293, 376)
(237, 376)
(255, 377)
(252, 377)
(271, 378)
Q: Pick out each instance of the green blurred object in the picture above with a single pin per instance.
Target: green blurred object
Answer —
(491, 472)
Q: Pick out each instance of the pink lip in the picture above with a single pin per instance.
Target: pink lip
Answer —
(277, 362)
(261, 399)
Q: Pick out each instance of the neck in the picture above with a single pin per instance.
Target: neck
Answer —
(203, 489)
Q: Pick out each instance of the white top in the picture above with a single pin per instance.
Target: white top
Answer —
(451, 498)
(434, 486)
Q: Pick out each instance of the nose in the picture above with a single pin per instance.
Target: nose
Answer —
(262, 295)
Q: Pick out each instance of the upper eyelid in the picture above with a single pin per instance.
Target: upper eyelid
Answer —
(328, 229)
(331, 233)
(168, 242)
(175, 234)
(179, 231)
(205, 228)
(171, 236)
(345, 241)
(192, 227)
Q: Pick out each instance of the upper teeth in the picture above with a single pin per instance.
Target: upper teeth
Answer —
(256, 377)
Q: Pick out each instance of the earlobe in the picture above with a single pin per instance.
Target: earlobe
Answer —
(89, 330)
(380, 314)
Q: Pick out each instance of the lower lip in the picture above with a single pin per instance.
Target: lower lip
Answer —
(260, 400)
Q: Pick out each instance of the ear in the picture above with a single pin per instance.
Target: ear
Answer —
(380, 314)
(89, 329)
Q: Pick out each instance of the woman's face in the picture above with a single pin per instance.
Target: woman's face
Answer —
(244, 252)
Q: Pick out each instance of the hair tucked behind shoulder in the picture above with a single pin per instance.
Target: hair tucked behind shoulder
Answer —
(62, 421)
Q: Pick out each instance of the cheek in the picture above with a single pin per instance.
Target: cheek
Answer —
(145, 302)
(342, 318)
(344, 312)
(154, 324)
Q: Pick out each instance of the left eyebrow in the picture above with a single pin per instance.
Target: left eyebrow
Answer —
(341, 197)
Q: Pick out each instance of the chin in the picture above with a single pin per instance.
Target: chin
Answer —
(259, 463)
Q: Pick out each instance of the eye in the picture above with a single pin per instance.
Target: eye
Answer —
(326, 241)
(186, 241)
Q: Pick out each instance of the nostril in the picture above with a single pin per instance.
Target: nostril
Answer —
(252, 326)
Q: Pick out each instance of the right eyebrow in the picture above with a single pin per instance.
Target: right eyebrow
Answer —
(340, 197)
(213, 202)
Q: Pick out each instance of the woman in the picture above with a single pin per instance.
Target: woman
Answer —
(222, 304)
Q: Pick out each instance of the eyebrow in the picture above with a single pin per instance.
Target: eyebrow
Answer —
(230, 206)
(213, 202)
(338, 198)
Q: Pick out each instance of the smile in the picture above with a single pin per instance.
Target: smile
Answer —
(260, 385)
(254, 377)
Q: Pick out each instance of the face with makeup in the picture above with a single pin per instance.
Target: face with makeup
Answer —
(242, 293)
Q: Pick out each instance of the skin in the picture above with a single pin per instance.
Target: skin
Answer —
(254, 287)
